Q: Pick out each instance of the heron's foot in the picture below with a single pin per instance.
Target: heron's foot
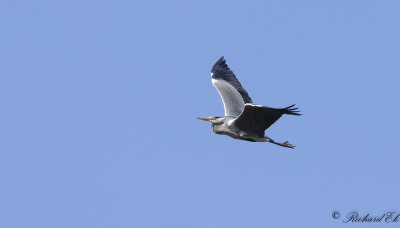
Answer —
(287, 144)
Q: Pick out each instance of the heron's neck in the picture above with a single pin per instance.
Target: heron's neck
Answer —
(219, 125)
(219, 121)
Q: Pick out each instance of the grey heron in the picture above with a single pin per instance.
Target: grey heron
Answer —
(243, 119)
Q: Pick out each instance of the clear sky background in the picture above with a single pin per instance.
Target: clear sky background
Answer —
(99, 99)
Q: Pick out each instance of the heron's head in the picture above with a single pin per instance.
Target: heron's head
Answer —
(214, 120)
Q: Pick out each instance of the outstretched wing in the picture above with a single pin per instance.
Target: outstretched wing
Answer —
(232, 93)
(257, 119)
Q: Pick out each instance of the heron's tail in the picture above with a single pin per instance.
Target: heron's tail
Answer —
(291, 111)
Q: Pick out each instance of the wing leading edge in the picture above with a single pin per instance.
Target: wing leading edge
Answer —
(233, 95)
(220, 70)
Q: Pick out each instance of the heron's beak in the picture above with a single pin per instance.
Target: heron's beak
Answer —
(204, 118)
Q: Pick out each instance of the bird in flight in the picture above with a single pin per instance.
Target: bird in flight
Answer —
(243, 119)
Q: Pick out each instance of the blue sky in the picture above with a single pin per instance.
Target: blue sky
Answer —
(99, 101)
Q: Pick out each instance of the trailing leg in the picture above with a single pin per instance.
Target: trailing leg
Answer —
(284, 144)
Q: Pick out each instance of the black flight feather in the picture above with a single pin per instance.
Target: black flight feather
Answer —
(221, 70)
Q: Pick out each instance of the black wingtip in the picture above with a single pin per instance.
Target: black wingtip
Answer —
(291, 111)
(220, 61)
(219, 64)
